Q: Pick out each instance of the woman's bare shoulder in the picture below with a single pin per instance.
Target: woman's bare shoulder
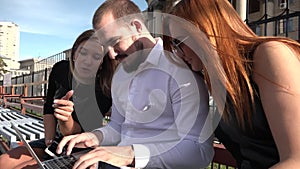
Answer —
(273, 53)
(277, 62)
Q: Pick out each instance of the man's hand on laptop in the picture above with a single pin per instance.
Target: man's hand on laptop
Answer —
(83, 140)
(115, 155)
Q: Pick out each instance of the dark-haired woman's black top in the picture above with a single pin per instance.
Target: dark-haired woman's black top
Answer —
(252, 148)
(60, 82)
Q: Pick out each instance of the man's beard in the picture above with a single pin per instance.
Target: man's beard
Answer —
(133, 61)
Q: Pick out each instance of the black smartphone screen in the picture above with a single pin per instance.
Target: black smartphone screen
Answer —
(60, 91)
(52, 148)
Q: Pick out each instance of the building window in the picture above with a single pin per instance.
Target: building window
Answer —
(233, 3)
(258, 30)
(282, 4)
(254, 6)
(282, 26)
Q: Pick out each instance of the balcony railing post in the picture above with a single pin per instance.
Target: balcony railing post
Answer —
(266, 17)
(299, 29)
(25, 90)
(23, 109)
(12, 89)
(287, 19)
(32, 80)
(23, 81)
(45, 85)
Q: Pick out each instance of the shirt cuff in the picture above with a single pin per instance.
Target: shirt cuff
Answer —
(141, 154)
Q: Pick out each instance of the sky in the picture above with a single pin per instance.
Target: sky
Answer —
(48, 27)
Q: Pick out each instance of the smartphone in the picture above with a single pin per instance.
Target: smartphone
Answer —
(60, 91)
(51, 149)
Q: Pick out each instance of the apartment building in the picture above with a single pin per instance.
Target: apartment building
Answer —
(275, 17)
(9, 44)
(265, 17)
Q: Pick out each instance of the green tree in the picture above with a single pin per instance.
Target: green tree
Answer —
(2, 67)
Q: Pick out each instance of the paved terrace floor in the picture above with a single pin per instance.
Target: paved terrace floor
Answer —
(32, 129)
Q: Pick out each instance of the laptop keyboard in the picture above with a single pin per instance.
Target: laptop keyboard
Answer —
(64, 162)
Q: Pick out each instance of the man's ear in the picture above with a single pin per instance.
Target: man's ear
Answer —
(137, 25)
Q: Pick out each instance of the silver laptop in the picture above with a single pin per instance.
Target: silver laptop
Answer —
(65, 162)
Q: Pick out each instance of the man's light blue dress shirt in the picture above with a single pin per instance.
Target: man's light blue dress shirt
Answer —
(161, 109)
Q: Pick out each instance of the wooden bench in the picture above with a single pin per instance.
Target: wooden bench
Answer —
(6, 102)
(222, 157)
(30, 103)
(3, 146)
(31, 128)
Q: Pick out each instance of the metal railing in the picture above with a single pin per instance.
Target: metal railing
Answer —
(285, 24)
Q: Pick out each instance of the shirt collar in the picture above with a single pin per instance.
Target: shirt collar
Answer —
(156, 52)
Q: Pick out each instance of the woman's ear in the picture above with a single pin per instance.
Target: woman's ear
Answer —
(75, 56)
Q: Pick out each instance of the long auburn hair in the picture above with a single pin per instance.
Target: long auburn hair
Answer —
(234, 41)
(106, 69)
